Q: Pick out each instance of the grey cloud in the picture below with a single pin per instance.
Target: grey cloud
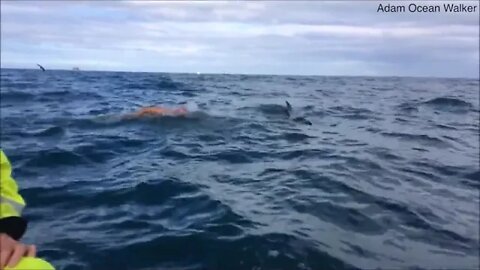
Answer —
(304, 12)
(281, 37)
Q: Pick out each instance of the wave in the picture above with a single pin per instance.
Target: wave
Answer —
(474, 176)
(57, 93)
(295, 137)
(272, 109)
(384, 154)
(97, 153)
(303, 154)
(49, 132)
(243, 156)
(446, 104)
(408, 107)
(141, 192)
(48, 96)
(54, 158)
(19, 85)
(450, 102)
(351, 113)
(420, 138)
(234, 156)
(67, 96)
(98, 150)
(472, 179)
(154, 84)
(14, 96)
(448, 127)
(258, 251)
(348, 219)
(424, 219)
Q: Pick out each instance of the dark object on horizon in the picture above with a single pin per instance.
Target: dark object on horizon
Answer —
(76, 69)
(42, 68)
(302, 120)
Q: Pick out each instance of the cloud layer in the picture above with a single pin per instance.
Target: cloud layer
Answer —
(320, 38)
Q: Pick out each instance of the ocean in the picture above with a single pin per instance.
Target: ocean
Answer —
(386, 177)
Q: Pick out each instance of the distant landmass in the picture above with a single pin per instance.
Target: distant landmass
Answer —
(76, 69)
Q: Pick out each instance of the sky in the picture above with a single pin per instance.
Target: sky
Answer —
(254, 37)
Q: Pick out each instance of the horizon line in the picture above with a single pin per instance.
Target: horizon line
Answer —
(247, 74)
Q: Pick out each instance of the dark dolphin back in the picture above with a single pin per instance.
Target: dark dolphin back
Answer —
(302, 120)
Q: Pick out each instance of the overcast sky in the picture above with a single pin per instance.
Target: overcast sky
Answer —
(306, 38)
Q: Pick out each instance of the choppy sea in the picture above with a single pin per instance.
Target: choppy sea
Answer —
(386, 177)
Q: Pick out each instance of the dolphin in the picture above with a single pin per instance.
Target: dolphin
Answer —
(302, 120)
(42, 68)
(288, 110)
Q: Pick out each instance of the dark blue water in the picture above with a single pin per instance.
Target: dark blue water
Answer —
(386, 177)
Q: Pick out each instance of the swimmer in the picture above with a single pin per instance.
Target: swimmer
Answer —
(157, 112)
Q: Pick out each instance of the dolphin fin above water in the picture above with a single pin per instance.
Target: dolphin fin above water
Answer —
(42, 68)
(288, 109)
(302, 120)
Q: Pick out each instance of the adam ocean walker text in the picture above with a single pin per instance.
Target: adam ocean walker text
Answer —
(449, 8)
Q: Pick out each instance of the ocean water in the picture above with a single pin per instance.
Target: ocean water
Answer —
(387, 176)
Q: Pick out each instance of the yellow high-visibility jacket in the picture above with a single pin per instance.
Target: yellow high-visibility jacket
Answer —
(11, 202)
(11, 222)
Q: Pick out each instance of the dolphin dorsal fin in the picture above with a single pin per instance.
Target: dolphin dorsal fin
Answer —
(289, 108)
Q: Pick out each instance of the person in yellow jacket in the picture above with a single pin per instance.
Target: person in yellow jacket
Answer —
(13, 253)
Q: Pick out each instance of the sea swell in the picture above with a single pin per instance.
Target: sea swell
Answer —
(385, 178)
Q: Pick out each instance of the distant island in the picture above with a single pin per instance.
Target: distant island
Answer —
(76, 69)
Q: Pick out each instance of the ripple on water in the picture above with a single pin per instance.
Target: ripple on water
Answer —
(236, 184)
